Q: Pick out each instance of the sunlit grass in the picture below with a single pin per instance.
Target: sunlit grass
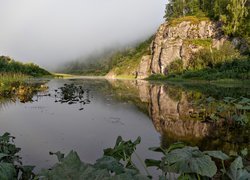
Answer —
(7, 78)
(192, 19)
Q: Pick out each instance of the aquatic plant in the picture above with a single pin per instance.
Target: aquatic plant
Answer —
(10, 162)
(192, 164)
(72, 94)
(233, 111)
(184, 161)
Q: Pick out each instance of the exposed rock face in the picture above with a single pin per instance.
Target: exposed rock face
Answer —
(144, 67)
(178, 42)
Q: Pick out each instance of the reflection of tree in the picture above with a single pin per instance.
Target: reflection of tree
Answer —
(22, 92)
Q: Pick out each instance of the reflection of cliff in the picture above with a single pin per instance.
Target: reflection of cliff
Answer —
(171, 114)
(175, 118)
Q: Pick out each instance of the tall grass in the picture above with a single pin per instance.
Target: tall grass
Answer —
(6, 79)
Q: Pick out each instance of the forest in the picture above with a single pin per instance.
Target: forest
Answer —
(234, 14)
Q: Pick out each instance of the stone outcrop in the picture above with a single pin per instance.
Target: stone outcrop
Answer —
(144, 67)
(179, 41)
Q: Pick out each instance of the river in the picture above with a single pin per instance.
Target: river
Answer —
(160, 113)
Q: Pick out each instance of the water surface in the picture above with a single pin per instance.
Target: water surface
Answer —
(160, 113)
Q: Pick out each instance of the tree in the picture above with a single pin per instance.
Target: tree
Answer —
(237, 12)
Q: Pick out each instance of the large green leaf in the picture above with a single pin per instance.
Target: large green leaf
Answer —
(2, 155)
(237, 171)
(7, 171)
(187, 177)
(152, 162)
(109, 163)
(71, 167)
(217, 154)
(123, 150)
(58, 154)
(190, 160)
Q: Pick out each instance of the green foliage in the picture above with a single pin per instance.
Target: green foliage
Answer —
(200, 42)
(233, 13)
(7, 65)
(188, 162)
(107, 167)
(210, 64)
(192, 164)
(123, 150)
(10, 163)
(192, 19)
(209, 58)
(157, 77)
(6, 79)
(175, 66)
(7, 171)
(236, 16)
(237, 170)
(229, 110)
(235, 69)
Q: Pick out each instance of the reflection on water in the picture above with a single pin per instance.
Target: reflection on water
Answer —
(23, 92)
(177, 114)
(119, 107)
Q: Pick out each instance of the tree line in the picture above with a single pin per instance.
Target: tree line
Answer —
(233, 13)
(7, 65)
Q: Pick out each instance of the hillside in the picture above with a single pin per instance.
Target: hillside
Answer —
(199, 40)
(118, 62)
(8, 65)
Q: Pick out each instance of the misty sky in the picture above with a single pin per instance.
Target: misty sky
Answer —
(49, 32)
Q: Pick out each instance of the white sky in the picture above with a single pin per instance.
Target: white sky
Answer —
(49, 32)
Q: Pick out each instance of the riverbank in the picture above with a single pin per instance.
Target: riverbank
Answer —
(218, 82)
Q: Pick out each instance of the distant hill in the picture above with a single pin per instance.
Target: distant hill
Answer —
(121, 62)
(8, 65)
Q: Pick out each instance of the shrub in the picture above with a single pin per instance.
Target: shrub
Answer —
(176, 66)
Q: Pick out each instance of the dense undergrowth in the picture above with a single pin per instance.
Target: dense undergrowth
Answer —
(210, 64)
(178, 161)
(235, 69)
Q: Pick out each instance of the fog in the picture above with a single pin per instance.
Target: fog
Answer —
(50, 32)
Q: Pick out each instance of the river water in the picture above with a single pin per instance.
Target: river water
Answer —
(160, 114)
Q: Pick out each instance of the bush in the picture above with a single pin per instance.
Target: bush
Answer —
(209, 58)
(175, 66)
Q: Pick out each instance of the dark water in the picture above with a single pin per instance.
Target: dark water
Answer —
(100, 110)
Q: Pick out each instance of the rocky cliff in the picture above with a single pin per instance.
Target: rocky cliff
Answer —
(179, 40)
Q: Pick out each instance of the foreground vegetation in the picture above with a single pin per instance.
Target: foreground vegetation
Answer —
(178, 160)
